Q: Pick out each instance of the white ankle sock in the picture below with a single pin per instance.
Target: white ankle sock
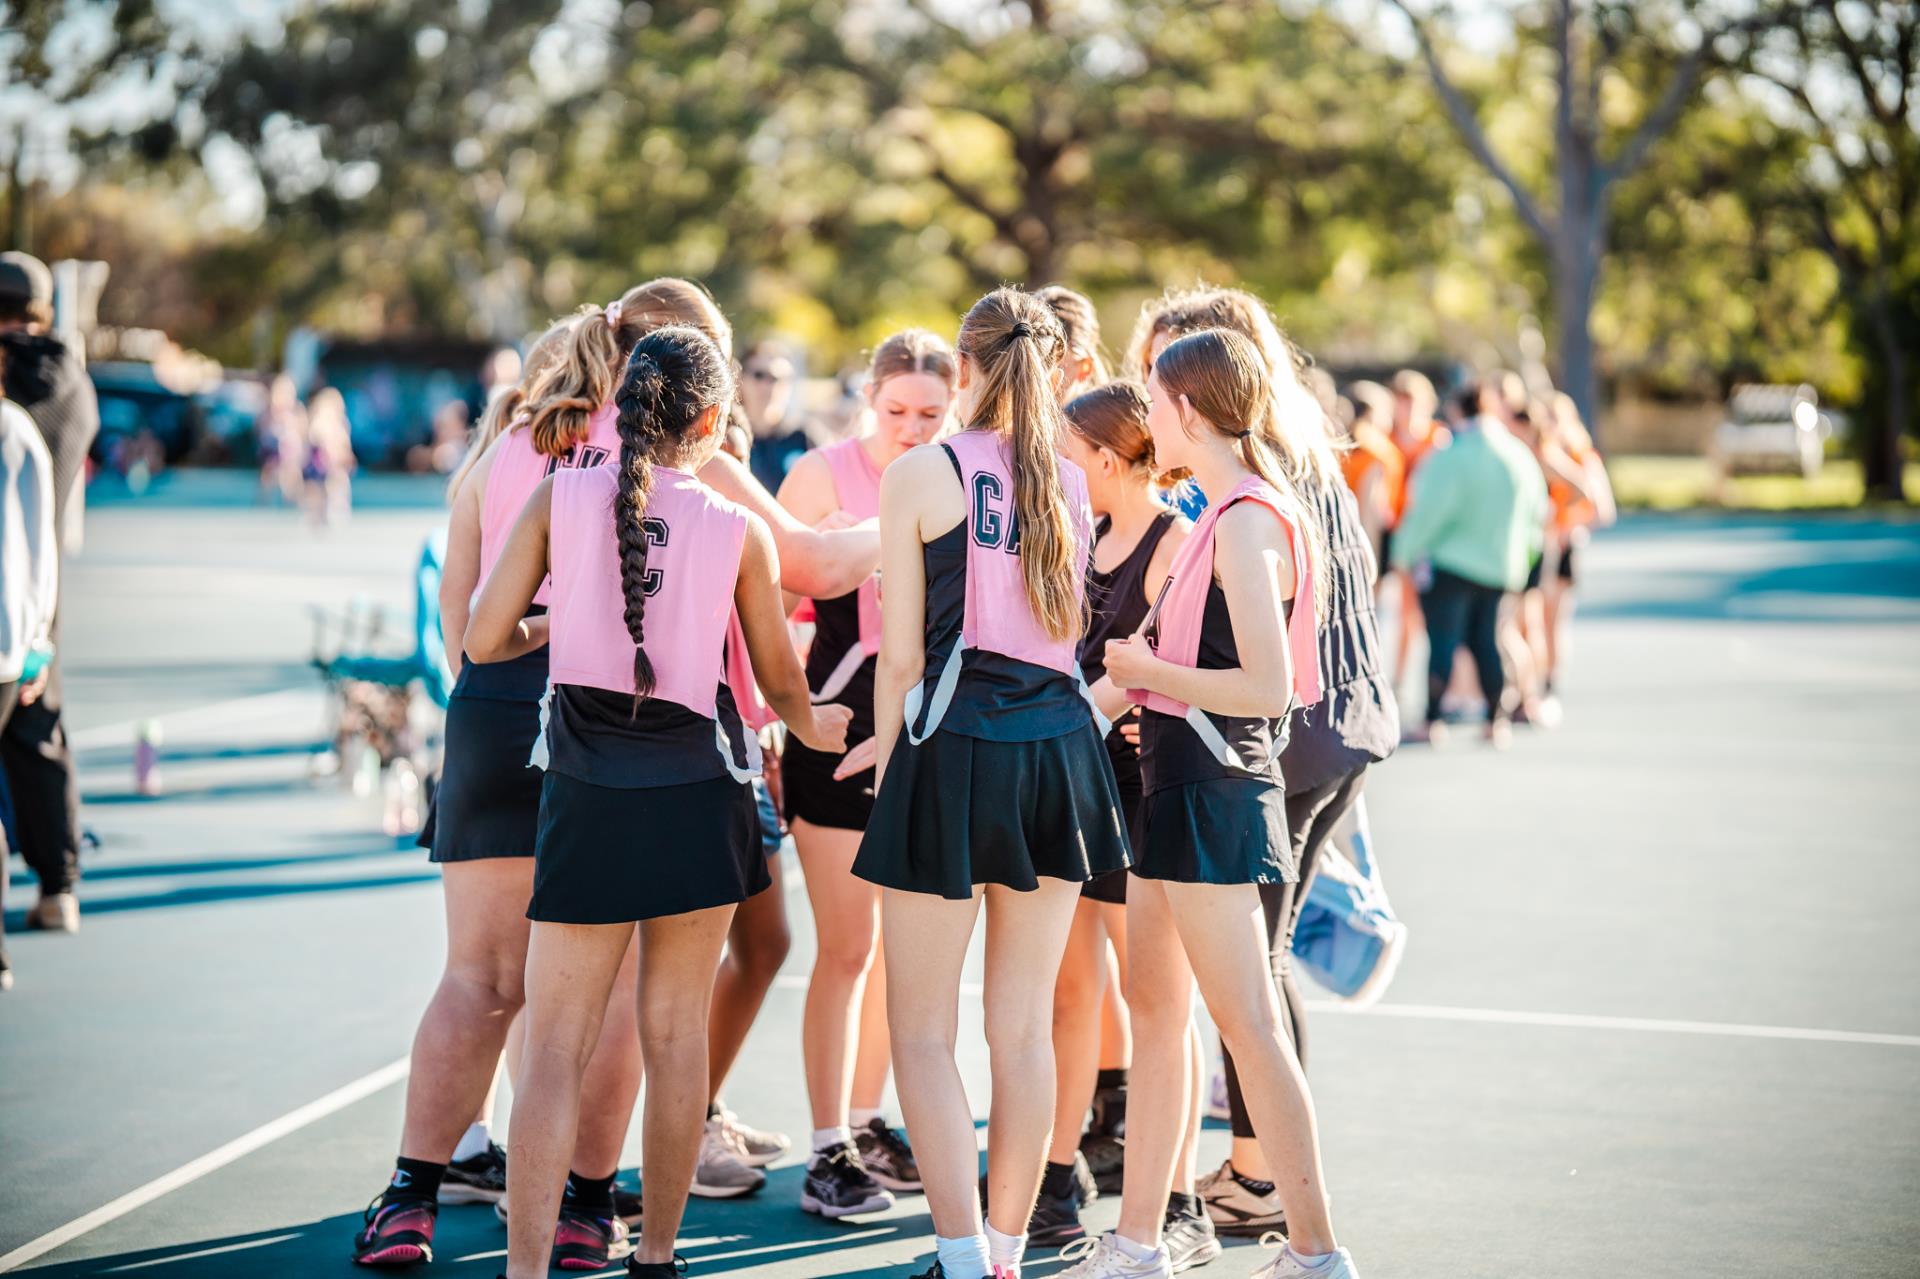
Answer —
(859, 1118)
(1005, 1250)
(473, 1142)
(963, 1258)
(828, 1138)
(1134, 1251)
(1311, 1260)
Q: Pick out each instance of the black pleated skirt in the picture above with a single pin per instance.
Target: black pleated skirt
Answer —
(1112, 886)
(955, 812)
(611, 855)
(488, 801)
(1232, 830)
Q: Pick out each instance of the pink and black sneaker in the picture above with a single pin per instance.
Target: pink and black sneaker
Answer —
(399, 1233)
(583, 1241)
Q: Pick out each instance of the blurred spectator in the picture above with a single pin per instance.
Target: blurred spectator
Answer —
(46, 378)
(1475, 511)
(329, 465)
(29, 589)
(446, 446)
(769, 379)
(1416, 433)
(282, 442)
(1373, 467)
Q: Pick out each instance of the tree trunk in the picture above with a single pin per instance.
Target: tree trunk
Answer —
(1576, 277)
(1881, 461)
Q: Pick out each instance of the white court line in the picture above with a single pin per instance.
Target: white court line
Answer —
(393, 1072)
(1577, 1021)
(204, 1252)
(213, 1160)
(1584, 1021)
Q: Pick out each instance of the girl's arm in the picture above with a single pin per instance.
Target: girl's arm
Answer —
(905, 488)
(756, 594)
(460, 574)
(821, 565)
(499, 629)
(1600, 491)
(1251, 558)
(808, 493)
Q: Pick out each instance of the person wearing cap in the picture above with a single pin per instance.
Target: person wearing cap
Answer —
(45, 376)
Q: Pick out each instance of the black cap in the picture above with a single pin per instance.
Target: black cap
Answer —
(24, 278)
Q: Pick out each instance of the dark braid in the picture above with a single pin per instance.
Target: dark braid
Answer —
(673, 376)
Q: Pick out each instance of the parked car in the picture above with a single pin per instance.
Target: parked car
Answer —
(1771, 429)
(133, 403)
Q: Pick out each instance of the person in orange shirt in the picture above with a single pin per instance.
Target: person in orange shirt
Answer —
(1415, 433)
(1582, 498)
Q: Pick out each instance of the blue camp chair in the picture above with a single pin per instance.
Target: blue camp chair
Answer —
(426, 664)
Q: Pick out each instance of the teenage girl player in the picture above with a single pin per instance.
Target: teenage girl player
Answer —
(1082, 368)
(1582, 498)
(993, 785)
(1229, 648)
(1137, 535)
(646, 814)
(909, 389)
(481, 833)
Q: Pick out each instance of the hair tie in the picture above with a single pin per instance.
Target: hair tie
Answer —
(613, 314)
(1241, 435)
(1020, 329)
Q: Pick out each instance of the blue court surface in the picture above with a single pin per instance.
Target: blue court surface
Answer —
(1659, 1015)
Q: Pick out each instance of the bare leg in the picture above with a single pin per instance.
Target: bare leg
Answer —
(456, 1050)
(1224, 935)
(873, 1055)
(1026, 933)
(845, 921)
(1160, 994)
(570, 970)
(757, 945)
(678, 956)
(1116, 1029)
(612, 1083)
(1077, 1003)
(1186, 1169)
(923, 1013)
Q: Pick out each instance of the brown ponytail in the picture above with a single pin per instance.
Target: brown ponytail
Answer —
(508, 409)
(1226, 380)
(1015, 345)
(673, 376)
(1114, 417)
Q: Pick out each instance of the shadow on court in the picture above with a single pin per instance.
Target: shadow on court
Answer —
(235, 892)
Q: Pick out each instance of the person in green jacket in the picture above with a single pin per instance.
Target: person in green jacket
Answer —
(1472, 528)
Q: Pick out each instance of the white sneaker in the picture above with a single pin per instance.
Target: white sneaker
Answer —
(1218, 1106)
(720, 1172)
(1287, 1266)
(1102, 1258)
(755, 1147)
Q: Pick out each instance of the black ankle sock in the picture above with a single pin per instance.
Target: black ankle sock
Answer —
(415, 1179)
(1261, 1188)
(1185, 1205)
(591, 1194)
(1110, 1080)
(1057, 1181)
(713, 1110)
(594, 1194)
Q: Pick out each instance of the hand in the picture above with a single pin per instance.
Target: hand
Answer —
(1130, 730)
(771, 779)
(31, 690)
(858, 760)
(1130, 662)
(826, 729)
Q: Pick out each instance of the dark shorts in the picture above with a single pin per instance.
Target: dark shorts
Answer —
(812, 795)
(957, 812)
(1533, 574)
(1564, 571)
(611, 855)
(1232, 830)
(488, 801)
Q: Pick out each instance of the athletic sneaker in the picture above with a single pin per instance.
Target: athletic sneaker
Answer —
(1219, 1104)
(888, 1157)
(583, 1241)
(838, 1185)
(1235, 1208)
(721, 1172)
(55, 913)
(1101, 1258)
(1056, 1220)
(1285, 1266)
(654, 1269)
(756, 1147)
(1190, 1239)
(477, 1179)
(626, 1206)
(396, 1234)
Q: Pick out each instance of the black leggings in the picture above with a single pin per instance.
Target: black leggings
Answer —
(1311, 818)
(1462, 612)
